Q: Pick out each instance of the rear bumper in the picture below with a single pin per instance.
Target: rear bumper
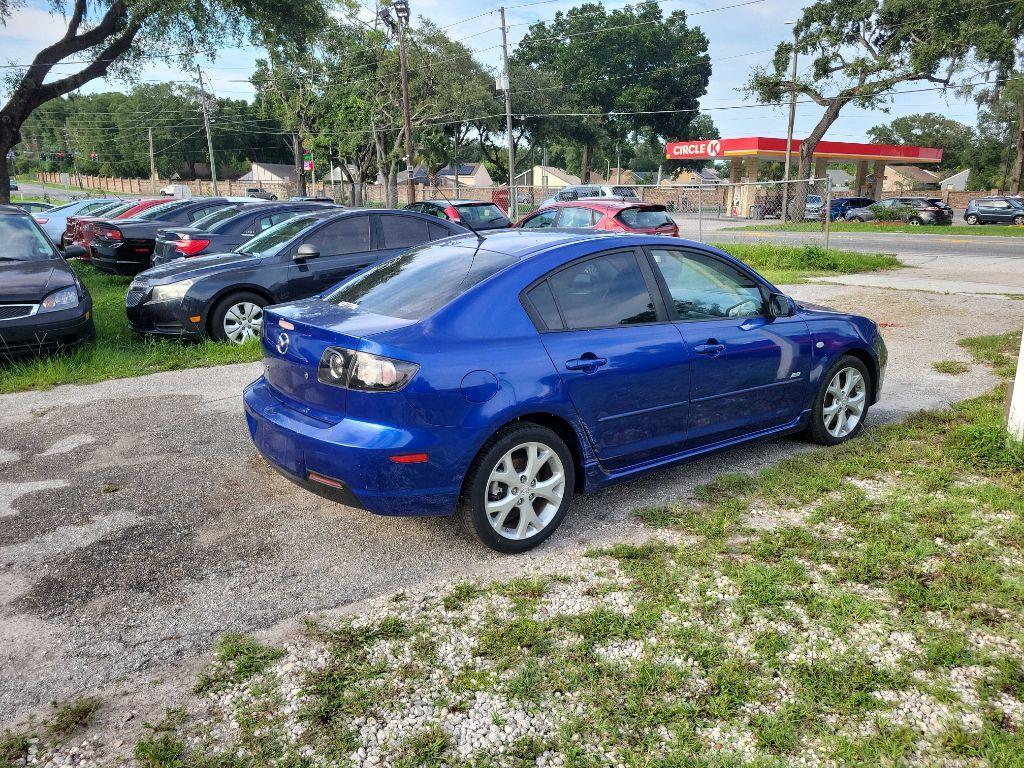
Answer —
(119, 259)
(46, 334)
(357, 455)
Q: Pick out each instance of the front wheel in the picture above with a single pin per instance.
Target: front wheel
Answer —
(1018, 221)
(841, 404)
(518, 488)
(915, 222)
(971, 219)
(237, 318)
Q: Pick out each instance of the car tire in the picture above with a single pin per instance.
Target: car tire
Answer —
(1018, 221)
(492, 510)
(915, 222)
(971, 219)
(847, 382)
(237, 318)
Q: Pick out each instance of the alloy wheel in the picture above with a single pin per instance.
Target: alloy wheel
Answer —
(972, 219)
(524, 491)
(243, 321)
(845, 400)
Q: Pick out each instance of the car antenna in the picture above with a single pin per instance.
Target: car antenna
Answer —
(479, 238)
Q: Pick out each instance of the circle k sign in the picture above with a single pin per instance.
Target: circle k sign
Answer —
(693, 150)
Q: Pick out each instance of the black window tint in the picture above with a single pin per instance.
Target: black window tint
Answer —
(543, 302)
(348, 235)
(603, 292)
(436, 231)
(201, 212)
(543, 219)
(704, 288)
(403, 231)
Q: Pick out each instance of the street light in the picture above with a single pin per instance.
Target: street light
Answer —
(401, 10)
(789, 132)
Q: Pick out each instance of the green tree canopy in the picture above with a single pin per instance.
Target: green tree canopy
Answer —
(929, 130)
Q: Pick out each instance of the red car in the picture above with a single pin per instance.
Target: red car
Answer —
(614, 216)
(81, 229)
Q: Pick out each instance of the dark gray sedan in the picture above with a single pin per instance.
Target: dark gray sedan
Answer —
(908, 210)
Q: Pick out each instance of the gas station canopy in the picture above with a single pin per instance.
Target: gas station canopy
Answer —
(764, 148)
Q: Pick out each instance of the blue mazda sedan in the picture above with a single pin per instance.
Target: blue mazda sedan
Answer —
(494, 377)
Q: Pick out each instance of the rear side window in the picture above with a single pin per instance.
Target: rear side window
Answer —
(95, 208)
(437, 231)
(578, 217)
(644, 218)
(541, 220)
(203, 212)
(403, 231)
(480, 214)
(211, 220)
(543, 302)
(603, 292)
(348, 235)
(419, 282)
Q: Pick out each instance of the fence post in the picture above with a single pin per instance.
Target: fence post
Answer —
(1015, 416)
(828, 209)
(700, 209)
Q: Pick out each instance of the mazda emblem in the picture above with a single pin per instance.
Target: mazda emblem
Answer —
(282, 343)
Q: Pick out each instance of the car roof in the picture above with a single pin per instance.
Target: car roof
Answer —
(12, 210)
(523, 243)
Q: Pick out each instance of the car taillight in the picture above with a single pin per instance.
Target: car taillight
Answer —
(340, 367)
(452, 214)
(41, 220)
(190, 247)
(933, 209)
(112, 234)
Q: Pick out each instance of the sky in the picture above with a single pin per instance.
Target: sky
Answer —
(740, 38)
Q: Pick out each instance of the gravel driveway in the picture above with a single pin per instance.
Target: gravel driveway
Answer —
(139, 523)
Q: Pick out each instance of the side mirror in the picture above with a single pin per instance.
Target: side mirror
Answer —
(306, 251)
(74, 252)
(780, 305)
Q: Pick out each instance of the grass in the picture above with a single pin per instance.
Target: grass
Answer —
(239, 658)
(951, 367)
(117, 352)
(852, 226)
(876, 621)
(783, 264)
(72, 716)
(13, 748)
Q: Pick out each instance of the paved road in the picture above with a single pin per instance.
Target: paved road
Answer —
(138, 523)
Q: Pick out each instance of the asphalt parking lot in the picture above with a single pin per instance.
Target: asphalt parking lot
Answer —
(139, 523)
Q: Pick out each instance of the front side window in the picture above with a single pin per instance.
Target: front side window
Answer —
(705, 288)
(603, 292)
(541, 220)
(348, 235)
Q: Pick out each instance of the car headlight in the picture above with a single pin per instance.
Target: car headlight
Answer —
(171, 291)
(65, 298)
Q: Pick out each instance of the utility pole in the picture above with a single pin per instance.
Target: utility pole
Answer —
(403, 13)
(209, 137)
(152, 164)
(618, 164)
(789, 132)
(513, 203)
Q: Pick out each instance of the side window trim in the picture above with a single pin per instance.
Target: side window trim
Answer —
(653, 290)
(666, 294)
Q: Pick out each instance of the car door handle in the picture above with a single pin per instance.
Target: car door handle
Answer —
(711, 347)
(586, 363)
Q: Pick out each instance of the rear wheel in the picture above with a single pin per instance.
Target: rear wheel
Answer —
(971, 218)
(1018, 221)
(238, 317)
(915, 222)
(842, 402)
(518, 488)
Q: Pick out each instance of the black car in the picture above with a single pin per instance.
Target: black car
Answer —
(995, 210)
(478, 214)
(909, 210)
(125, 246)
(225, 229)
(223, 295)
(44, 308)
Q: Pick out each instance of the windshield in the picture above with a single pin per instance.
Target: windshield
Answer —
(221, 214)
(480, 214)
(644, 218)
(23, 241)
(268, 243)
(419, 282)
(813, 200)
(159, 210)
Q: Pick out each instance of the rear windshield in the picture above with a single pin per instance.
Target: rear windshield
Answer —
(644, 218)
(271, 240)
(221, 214)
(480, 214)
(159, 210)
(419, 282)
(23, 240)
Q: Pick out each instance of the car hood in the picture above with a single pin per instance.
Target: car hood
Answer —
(30, 281)
(808, 308)
(194, 268)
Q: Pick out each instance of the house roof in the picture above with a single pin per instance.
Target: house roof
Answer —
(914, 173)
(465, 169)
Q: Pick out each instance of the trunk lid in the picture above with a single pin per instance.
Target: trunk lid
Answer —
(294, 339)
